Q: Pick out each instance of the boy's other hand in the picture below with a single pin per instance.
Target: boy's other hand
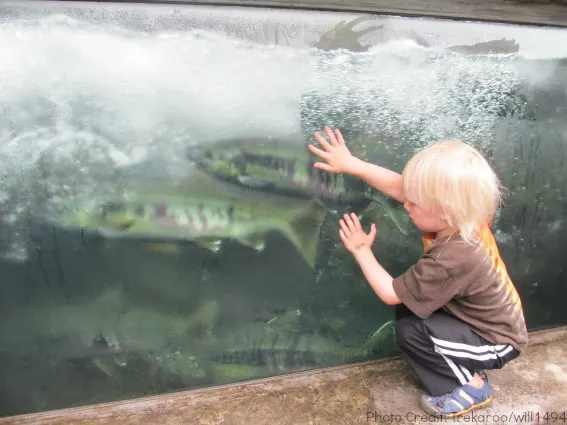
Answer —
(336, 155)
(353, 236)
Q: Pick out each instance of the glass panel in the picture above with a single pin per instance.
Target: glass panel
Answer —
(148, 241)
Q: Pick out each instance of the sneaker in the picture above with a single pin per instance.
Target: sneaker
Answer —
(458, 402)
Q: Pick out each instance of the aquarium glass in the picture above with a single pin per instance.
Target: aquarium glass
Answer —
(162, 226)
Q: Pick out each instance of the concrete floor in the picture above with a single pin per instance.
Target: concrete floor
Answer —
(381, 392)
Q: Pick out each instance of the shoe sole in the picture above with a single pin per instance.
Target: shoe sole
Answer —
(427, 407)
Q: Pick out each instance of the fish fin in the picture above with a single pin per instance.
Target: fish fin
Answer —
(502, 46)
(254, 241)
(369, 30)
(400, 219)
(212, 245)
(253, 182)
(163, 248)
(378, 337)
(106, 365)
(304, 229)
(396, 214)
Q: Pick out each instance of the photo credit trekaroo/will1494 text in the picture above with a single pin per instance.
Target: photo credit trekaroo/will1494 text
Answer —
(520, 417)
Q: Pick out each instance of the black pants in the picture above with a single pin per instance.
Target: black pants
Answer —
(443, 351)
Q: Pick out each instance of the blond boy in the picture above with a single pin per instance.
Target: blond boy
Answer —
(457, 311)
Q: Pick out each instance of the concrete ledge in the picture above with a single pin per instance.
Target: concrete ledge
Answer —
(382, 391)
(535, 12)
(547, 336)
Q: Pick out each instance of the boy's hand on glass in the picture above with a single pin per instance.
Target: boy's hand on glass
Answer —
(353, 236)
(336, 155)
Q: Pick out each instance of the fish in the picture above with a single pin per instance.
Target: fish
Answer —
(201, 209)
(286, 167)
(104, 330)
(273, 351)
(343, 35)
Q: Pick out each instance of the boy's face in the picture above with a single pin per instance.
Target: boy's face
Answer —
(427, 220)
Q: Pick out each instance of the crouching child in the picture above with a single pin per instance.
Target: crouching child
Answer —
(457, 311)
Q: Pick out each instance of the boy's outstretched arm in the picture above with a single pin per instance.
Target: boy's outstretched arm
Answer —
(386, 181)
(338, 159)
(378, 278)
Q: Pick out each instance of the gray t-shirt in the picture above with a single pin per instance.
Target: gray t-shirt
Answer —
(468, 281)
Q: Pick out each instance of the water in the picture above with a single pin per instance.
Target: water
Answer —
(89, 97)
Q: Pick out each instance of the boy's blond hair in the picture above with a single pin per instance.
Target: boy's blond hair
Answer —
(454, 178)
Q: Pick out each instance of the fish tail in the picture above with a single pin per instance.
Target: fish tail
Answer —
(304, 228)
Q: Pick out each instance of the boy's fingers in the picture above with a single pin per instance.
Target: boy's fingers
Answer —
(339, 135)
(349, 222)
(372, 233)
(323, 166)
(321, 154)
(344, 227)
(355, 221)
(322, 141)
(332, 138)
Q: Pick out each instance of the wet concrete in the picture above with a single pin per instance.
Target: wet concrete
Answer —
(531, 389)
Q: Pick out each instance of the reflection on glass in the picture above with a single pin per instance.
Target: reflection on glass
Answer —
(163, 227)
